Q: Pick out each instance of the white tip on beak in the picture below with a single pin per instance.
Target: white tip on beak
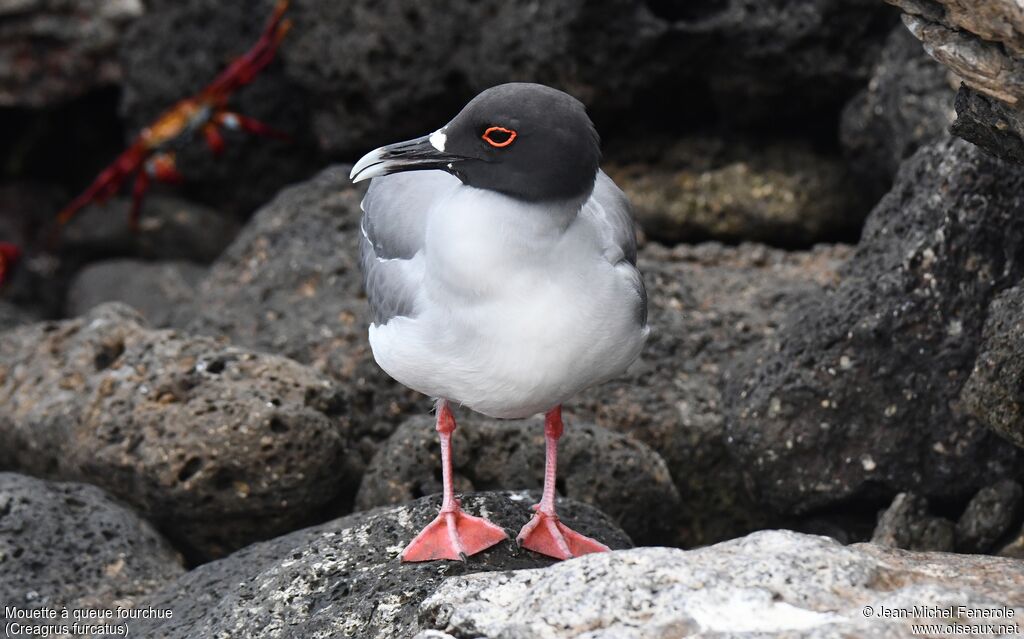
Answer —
(369, 166)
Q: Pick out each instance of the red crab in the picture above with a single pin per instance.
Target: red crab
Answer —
(151, 155)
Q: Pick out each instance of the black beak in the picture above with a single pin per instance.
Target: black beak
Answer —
(419, 154)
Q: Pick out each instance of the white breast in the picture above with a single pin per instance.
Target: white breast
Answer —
(519, 309)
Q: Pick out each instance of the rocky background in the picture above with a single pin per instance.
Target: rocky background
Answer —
(828, 414)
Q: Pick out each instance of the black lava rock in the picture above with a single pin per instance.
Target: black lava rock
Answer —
(989, 123)
(989, 516)
(344, 578)
(616, 474)
(65, 544)
(859, 398)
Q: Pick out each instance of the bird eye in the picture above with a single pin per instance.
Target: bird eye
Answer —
(499, 136)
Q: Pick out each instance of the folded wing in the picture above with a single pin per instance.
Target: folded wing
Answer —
(609, 211)
(395, 212)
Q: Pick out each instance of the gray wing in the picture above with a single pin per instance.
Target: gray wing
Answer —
(609, 211)
(393, 227)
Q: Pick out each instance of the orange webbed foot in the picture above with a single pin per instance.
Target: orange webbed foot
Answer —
(547, 535)
(453, 535)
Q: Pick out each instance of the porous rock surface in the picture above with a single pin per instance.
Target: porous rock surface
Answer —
(993, 392)
(858, 399)
(768, 584)
(217, 445)
(67, 544)
(344, 578)
(991, 124)
(619, 476)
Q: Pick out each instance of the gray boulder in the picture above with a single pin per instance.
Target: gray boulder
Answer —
(993, 392)
(768, 584)
(156, 289)
(344, 578)
(858, 399)
(619, 476)
(72, 545)
(217, 445)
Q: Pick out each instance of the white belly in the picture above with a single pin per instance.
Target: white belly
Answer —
(518, 312)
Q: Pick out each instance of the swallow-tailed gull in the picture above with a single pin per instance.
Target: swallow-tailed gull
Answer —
(500, 266)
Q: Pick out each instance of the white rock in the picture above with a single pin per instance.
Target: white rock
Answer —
(770, 584)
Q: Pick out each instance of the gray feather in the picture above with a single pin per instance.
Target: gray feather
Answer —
(609, 211)
(393, 229)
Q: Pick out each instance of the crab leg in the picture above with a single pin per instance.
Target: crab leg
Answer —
(138, 192)
(106, 183)
(244, 69)
(236, 121)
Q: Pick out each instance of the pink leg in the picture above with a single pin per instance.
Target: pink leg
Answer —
(545, 533)
(453, 534)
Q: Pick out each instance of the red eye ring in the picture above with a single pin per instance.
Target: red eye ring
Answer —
(511, 136)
